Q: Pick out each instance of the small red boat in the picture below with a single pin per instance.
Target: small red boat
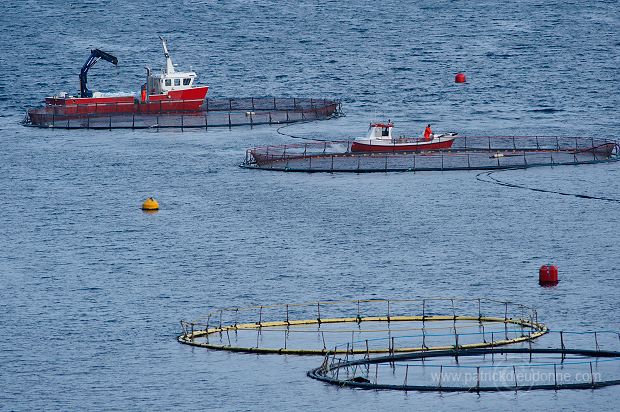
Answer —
(379, 139)
(167, 91)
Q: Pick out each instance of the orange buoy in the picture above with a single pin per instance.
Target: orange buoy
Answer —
(548, 275)
(150, 205)
(459, 78)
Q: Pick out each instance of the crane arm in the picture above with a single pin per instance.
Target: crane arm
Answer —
(94, 57)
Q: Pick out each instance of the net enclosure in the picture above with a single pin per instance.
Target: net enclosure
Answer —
(368, 326)
(467, 153)
(215, 112)
(574, 360)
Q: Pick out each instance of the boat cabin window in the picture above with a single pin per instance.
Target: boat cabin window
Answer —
(177, 82)
(168, 82)
(186, 82)
(385, 131)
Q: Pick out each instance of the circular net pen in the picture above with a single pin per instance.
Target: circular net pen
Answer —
(215, 112)
(368, 326)
(575, 360)
(467, 153)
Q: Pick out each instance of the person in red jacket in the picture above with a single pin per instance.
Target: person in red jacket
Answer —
(428, 132)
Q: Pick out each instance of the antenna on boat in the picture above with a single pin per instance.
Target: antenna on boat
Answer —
(169, 65)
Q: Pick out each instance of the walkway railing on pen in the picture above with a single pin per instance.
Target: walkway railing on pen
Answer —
(183, 114)
(467, 153)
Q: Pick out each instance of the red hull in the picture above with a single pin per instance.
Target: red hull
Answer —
(400, 147)
(179, 100)
(188, 100)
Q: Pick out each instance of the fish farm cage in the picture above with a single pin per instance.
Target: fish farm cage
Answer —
(368, 326)
(215, 112)
(564, 364)
(467, 153)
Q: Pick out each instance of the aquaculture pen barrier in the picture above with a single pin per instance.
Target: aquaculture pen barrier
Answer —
(215, 112)
(467, 153)
(528, 367)
(370, 326)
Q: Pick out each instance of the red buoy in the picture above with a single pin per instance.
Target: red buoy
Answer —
(459, 78)
(548, 275)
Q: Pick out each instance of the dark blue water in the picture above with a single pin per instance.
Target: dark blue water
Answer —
(92, 289)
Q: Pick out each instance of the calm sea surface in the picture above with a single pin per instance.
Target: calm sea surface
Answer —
(92, 290)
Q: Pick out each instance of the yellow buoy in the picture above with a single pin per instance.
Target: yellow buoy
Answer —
(150, 204)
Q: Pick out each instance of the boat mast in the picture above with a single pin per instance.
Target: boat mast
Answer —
(169, 65)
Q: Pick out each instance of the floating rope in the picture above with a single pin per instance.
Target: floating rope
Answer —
(314, 139)
(336, 114)
(496, 181)
(292, 136)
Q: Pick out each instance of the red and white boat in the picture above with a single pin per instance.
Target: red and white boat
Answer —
(380, 139)
(166, 91)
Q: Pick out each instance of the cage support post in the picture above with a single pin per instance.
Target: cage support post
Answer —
(376, 373)
(406, 373)
(440, 376)
(514, 372)
(596, 342)
(287, 321)
(207, 328)
(453, 312)
(257, 336)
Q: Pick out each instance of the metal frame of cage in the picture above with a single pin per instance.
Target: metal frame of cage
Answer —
(358, 373)
(215, 112)
(470, 153)
(288, 316)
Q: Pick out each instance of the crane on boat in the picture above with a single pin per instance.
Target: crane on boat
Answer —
(95, 55)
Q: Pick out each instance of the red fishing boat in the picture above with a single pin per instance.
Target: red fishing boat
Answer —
(380, 139)
(166, 91)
